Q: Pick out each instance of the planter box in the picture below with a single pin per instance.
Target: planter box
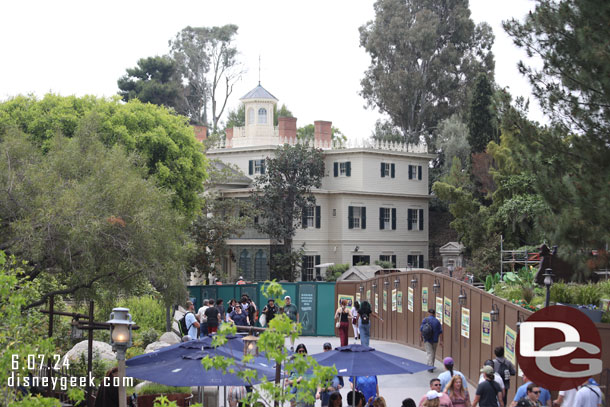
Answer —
(182, 399)
(594, 314)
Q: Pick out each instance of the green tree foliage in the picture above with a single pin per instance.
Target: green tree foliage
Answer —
(154, 80)
(271, 344)
(283, 192)
(221, 217)
(425, 55)
(236, 118)
(207, 62)
(87, 219)
(385, 130)
(308, 131)
(164, 140)
(481, 117)
(571, 159)
(283, 111)
(453, 143)
(21, 331)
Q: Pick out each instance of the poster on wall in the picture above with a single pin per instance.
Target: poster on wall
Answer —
(358, 298)
(465, 322)
(368, 295)
(485, 328)
(439, 309)
(394, 299)
(510, 338)
(410, 299)
(447, 311)
(399, 301)
(376, 303)
(385, 300)
(424, 299)
(348, 298)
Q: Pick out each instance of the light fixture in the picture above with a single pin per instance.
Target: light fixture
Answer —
(75, 332)
(495, 313)
(361, 288)
(519, 321)
(548, 282)
(356, 248)
(374, 285)
(250, 347)
(386, 283)
(462, 297)
(396, 282)
(120, 339)
(414, 282)
(436, 286)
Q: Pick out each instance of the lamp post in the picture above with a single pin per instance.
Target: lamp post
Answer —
(120, 339)
(548, 282)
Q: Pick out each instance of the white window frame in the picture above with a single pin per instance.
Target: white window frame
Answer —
(415, 219)
(386, 170)
(357, 217)
(309, 267)
(250, 116)
(311, 216)
(387, 218)
(343, 169)
(385, 257)
(262, 116)
(258, 166)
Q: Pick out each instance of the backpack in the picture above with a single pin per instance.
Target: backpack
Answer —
(504, 371)
(184, 330)
(365, 319)
(427, 331)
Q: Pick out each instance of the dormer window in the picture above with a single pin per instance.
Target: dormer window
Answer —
(250, 116)
(262, 116)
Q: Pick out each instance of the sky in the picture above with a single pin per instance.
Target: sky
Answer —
(310, 57)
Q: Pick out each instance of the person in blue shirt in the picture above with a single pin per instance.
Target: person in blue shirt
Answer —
(431, 342)
(446, 376)
(191, 321)
(367, 385)
(337, 383)
(544, 399)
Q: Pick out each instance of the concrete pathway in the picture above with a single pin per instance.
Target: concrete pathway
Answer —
(394, 388)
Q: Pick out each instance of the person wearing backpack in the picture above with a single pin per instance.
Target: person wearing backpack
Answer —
(364, 322)
(431, 330)
(504, 368)
(190, 320)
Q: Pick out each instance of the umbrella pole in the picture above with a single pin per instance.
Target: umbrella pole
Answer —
(354, 394)
(225, 391)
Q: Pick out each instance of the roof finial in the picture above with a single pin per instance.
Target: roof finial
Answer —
(259, 69)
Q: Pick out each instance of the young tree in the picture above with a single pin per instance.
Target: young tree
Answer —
(282, 193)
(424, 57)
(481, 118)
(154, 80)
(207, 61)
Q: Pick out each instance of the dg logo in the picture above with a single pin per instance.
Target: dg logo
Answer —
(559, 348)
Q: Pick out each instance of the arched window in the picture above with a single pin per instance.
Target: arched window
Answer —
(251, 116)
(262, 116)
(245, 265)
(260, 266)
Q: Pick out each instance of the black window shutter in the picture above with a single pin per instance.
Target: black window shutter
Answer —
(381, 219)
(410, 219)
(348, 169)
(419, 171)
(303, 263)
(363, 218)
(336, 169)
(262, 166)
(421, 260)
(318, 217)
(317, 260)
(394, 260)
(382, 170)
(410, 172)
(304, 218)
(392, 170)
(421, 219)
(410, 260)
(393, 218)
(350, 217)
(250, 167)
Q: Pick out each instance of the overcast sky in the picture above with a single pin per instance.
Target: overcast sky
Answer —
(310, 55)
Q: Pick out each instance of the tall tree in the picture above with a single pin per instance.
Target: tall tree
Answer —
(425, 55)
(453, 143)
(154, 80)
(282, 193)
(207, 61)
(571, 159)
(481, 118)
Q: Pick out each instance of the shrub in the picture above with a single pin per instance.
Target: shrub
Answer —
(588, 294)
(154, 388)
(384, 264)
(146, 337)
(507, 291)
(134, 351)
(562, 293)
(146, 311)
(335, 271)
(528, 293)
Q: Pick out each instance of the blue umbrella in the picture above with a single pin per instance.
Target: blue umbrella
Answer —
(180, 364)
(359, 360)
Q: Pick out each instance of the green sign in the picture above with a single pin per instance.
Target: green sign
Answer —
(307, 301)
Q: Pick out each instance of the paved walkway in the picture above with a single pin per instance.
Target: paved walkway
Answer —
(393, 388)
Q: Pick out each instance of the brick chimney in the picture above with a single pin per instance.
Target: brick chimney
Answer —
(201, 132)
(287, 127)
(322, 132)
(229, 137)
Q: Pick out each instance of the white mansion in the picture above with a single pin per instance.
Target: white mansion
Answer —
(373, 203)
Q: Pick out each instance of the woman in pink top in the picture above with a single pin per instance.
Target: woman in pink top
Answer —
(457, 393)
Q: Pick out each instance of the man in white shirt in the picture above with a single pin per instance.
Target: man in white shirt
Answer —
(566, 398)
(203, 320)
(589, 395)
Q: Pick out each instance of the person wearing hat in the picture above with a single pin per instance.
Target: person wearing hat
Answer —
(443, 399)
(431, 336)
(497, 378)
(240, 281)
(291, 312)
(446, 376)
(589, 395)
(489, 393)
(432, 399)
(337, 383)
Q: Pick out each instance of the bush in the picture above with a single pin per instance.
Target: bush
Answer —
(134, 351)
(562, 293)
(507, 291)
(588, 294)
(335, 271)
(154, 388)
(384, 264)
(146, 337)
(146, 311)
(99, 367)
